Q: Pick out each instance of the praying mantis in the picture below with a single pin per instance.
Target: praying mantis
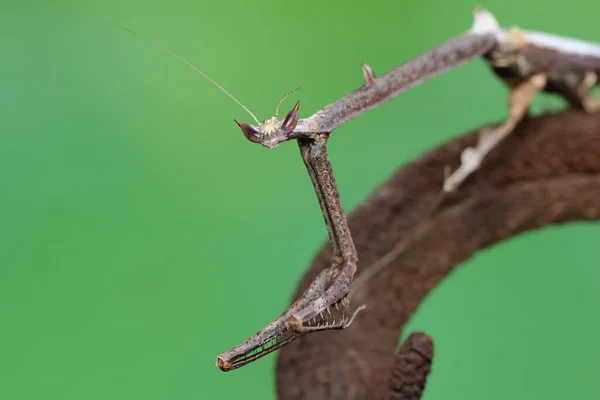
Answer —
(528, 62)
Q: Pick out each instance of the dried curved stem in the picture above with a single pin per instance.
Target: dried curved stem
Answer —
(411, 368)
(548, 172)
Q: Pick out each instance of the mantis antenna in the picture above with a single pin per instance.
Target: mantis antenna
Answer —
(282, 99)
(155, 43)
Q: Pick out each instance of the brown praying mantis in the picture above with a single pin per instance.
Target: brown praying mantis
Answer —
(528, 62)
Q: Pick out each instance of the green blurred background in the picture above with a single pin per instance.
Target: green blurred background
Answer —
(141, 234)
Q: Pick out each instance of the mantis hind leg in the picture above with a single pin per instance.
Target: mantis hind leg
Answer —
(518, 104)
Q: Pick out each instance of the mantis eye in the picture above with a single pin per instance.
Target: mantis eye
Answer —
(291, 119)
(251, 132)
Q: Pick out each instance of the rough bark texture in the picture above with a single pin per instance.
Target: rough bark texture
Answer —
(546, 172)
(413, 364)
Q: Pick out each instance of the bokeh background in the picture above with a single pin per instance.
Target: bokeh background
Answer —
(141, 234)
